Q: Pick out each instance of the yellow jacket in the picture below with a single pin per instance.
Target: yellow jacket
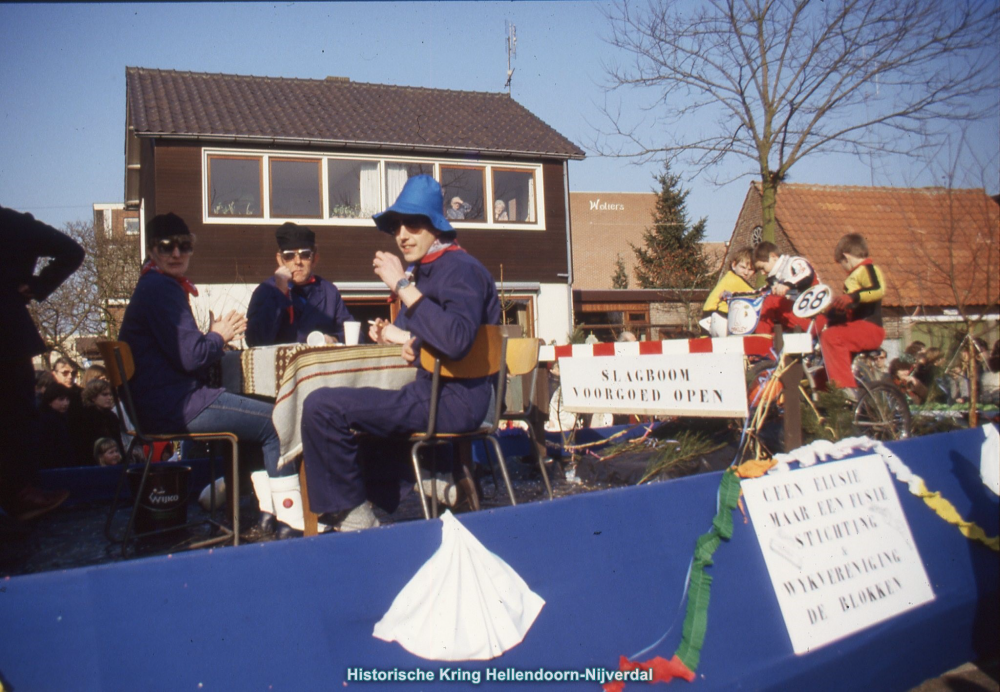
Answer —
(730, 282)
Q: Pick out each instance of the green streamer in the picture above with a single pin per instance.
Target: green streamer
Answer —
(700, 587)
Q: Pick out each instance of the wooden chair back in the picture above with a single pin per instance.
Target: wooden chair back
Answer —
(115, 375)
(482, 360)
(522, 355)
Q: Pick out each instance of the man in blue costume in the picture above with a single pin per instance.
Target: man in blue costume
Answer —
(294, 302)
(447, 295)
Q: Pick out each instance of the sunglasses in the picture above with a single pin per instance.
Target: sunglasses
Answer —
(167, 247)
(290, 255)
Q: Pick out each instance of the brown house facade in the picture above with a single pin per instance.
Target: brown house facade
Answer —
(237, 156)
(938, 248)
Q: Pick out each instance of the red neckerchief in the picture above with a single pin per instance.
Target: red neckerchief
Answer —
(291, 308)
(185, 282)
(428, 258)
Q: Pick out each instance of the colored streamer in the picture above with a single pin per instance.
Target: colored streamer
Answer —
(688, 655)
(947, 511)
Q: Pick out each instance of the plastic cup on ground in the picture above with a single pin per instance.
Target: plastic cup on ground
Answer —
(352, 331)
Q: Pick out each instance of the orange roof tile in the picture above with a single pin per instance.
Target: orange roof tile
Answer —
(936, 247)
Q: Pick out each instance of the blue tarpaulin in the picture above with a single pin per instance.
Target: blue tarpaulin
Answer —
(298, 615)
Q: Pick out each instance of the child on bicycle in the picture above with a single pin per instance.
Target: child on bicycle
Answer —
(736, 280)
(787, 276)
(855, 318)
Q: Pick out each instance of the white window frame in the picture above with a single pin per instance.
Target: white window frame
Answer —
(267, 220)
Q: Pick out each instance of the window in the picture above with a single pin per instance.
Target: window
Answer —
(398, 172)
(270, 187)
(131, 226)
(352, 189)
(513, 196)
(234, 185)
(295, 189)
(463, 193)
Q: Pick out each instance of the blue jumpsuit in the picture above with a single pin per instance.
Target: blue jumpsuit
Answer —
(459, 296)
(316, 306)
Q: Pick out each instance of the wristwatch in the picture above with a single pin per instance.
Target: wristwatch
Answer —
(401, 284)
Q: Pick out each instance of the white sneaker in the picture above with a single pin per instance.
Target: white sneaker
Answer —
(446, 490)
(357, 519)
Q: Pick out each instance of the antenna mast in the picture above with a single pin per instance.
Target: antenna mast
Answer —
(511, 52)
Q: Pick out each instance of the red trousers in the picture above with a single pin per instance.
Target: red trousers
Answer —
(778, 309)
(841, 341)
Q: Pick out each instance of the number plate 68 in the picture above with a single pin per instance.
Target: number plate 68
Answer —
(813, 301)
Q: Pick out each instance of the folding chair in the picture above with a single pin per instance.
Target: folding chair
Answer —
(118, 360)
(522, 364)
(488, 357)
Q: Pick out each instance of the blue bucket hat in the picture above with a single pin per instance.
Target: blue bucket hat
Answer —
(421, 196)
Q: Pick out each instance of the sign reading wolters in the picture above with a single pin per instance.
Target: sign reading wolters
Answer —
(694, 384)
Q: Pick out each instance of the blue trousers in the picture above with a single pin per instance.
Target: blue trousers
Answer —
(250, 421)
(331, 449)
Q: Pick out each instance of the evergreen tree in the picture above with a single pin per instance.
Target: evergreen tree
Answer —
(671, 255)
(620, 278)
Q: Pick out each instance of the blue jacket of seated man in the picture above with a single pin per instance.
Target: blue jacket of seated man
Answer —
(459, 296)
(315, 306)
(171, 354)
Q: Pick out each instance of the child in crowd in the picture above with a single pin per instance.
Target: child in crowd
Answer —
(106, 452)
(93, 372)
(97, 418)
(736, 280)
(958, 377)
(855, 321)
(901, 375)
(787, 277)
(56, 446)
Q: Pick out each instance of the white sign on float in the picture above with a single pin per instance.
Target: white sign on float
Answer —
(837, 547)
(690, 384)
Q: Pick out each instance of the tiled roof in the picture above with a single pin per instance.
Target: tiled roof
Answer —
(922, 238)
(336, 111)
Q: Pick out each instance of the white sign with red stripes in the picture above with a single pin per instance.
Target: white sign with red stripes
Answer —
(688, 384)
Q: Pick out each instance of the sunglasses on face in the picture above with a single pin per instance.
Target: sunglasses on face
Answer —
(167, 247)
(289, 255)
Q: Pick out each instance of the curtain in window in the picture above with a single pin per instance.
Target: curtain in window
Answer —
(396, 175)
(531, 199)
(369, 189)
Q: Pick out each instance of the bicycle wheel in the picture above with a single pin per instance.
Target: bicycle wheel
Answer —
(882, 413)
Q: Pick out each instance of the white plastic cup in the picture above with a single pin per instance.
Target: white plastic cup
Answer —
(316, 339)
(352, 332)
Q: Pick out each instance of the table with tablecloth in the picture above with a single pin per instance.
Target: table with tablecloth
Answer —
(288, 374)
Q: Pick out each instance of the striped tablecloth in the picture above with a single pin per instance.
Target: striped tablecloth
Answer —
(291, 373)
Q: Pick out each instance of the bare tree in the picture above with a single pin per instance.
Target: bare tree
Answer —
(86, 303)
(774, 81)
(959, 260)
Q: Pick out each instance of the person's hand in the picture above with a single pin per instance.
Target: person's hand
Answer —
(282, 277)
(375, 330)
(388, 268)
(841, 303)
(408, 353)
(779, 290)
(392, 334)
(229, 327)
(330, 339)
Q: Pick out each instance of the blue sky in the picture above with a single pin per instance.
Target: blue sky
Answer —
(62, 84)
